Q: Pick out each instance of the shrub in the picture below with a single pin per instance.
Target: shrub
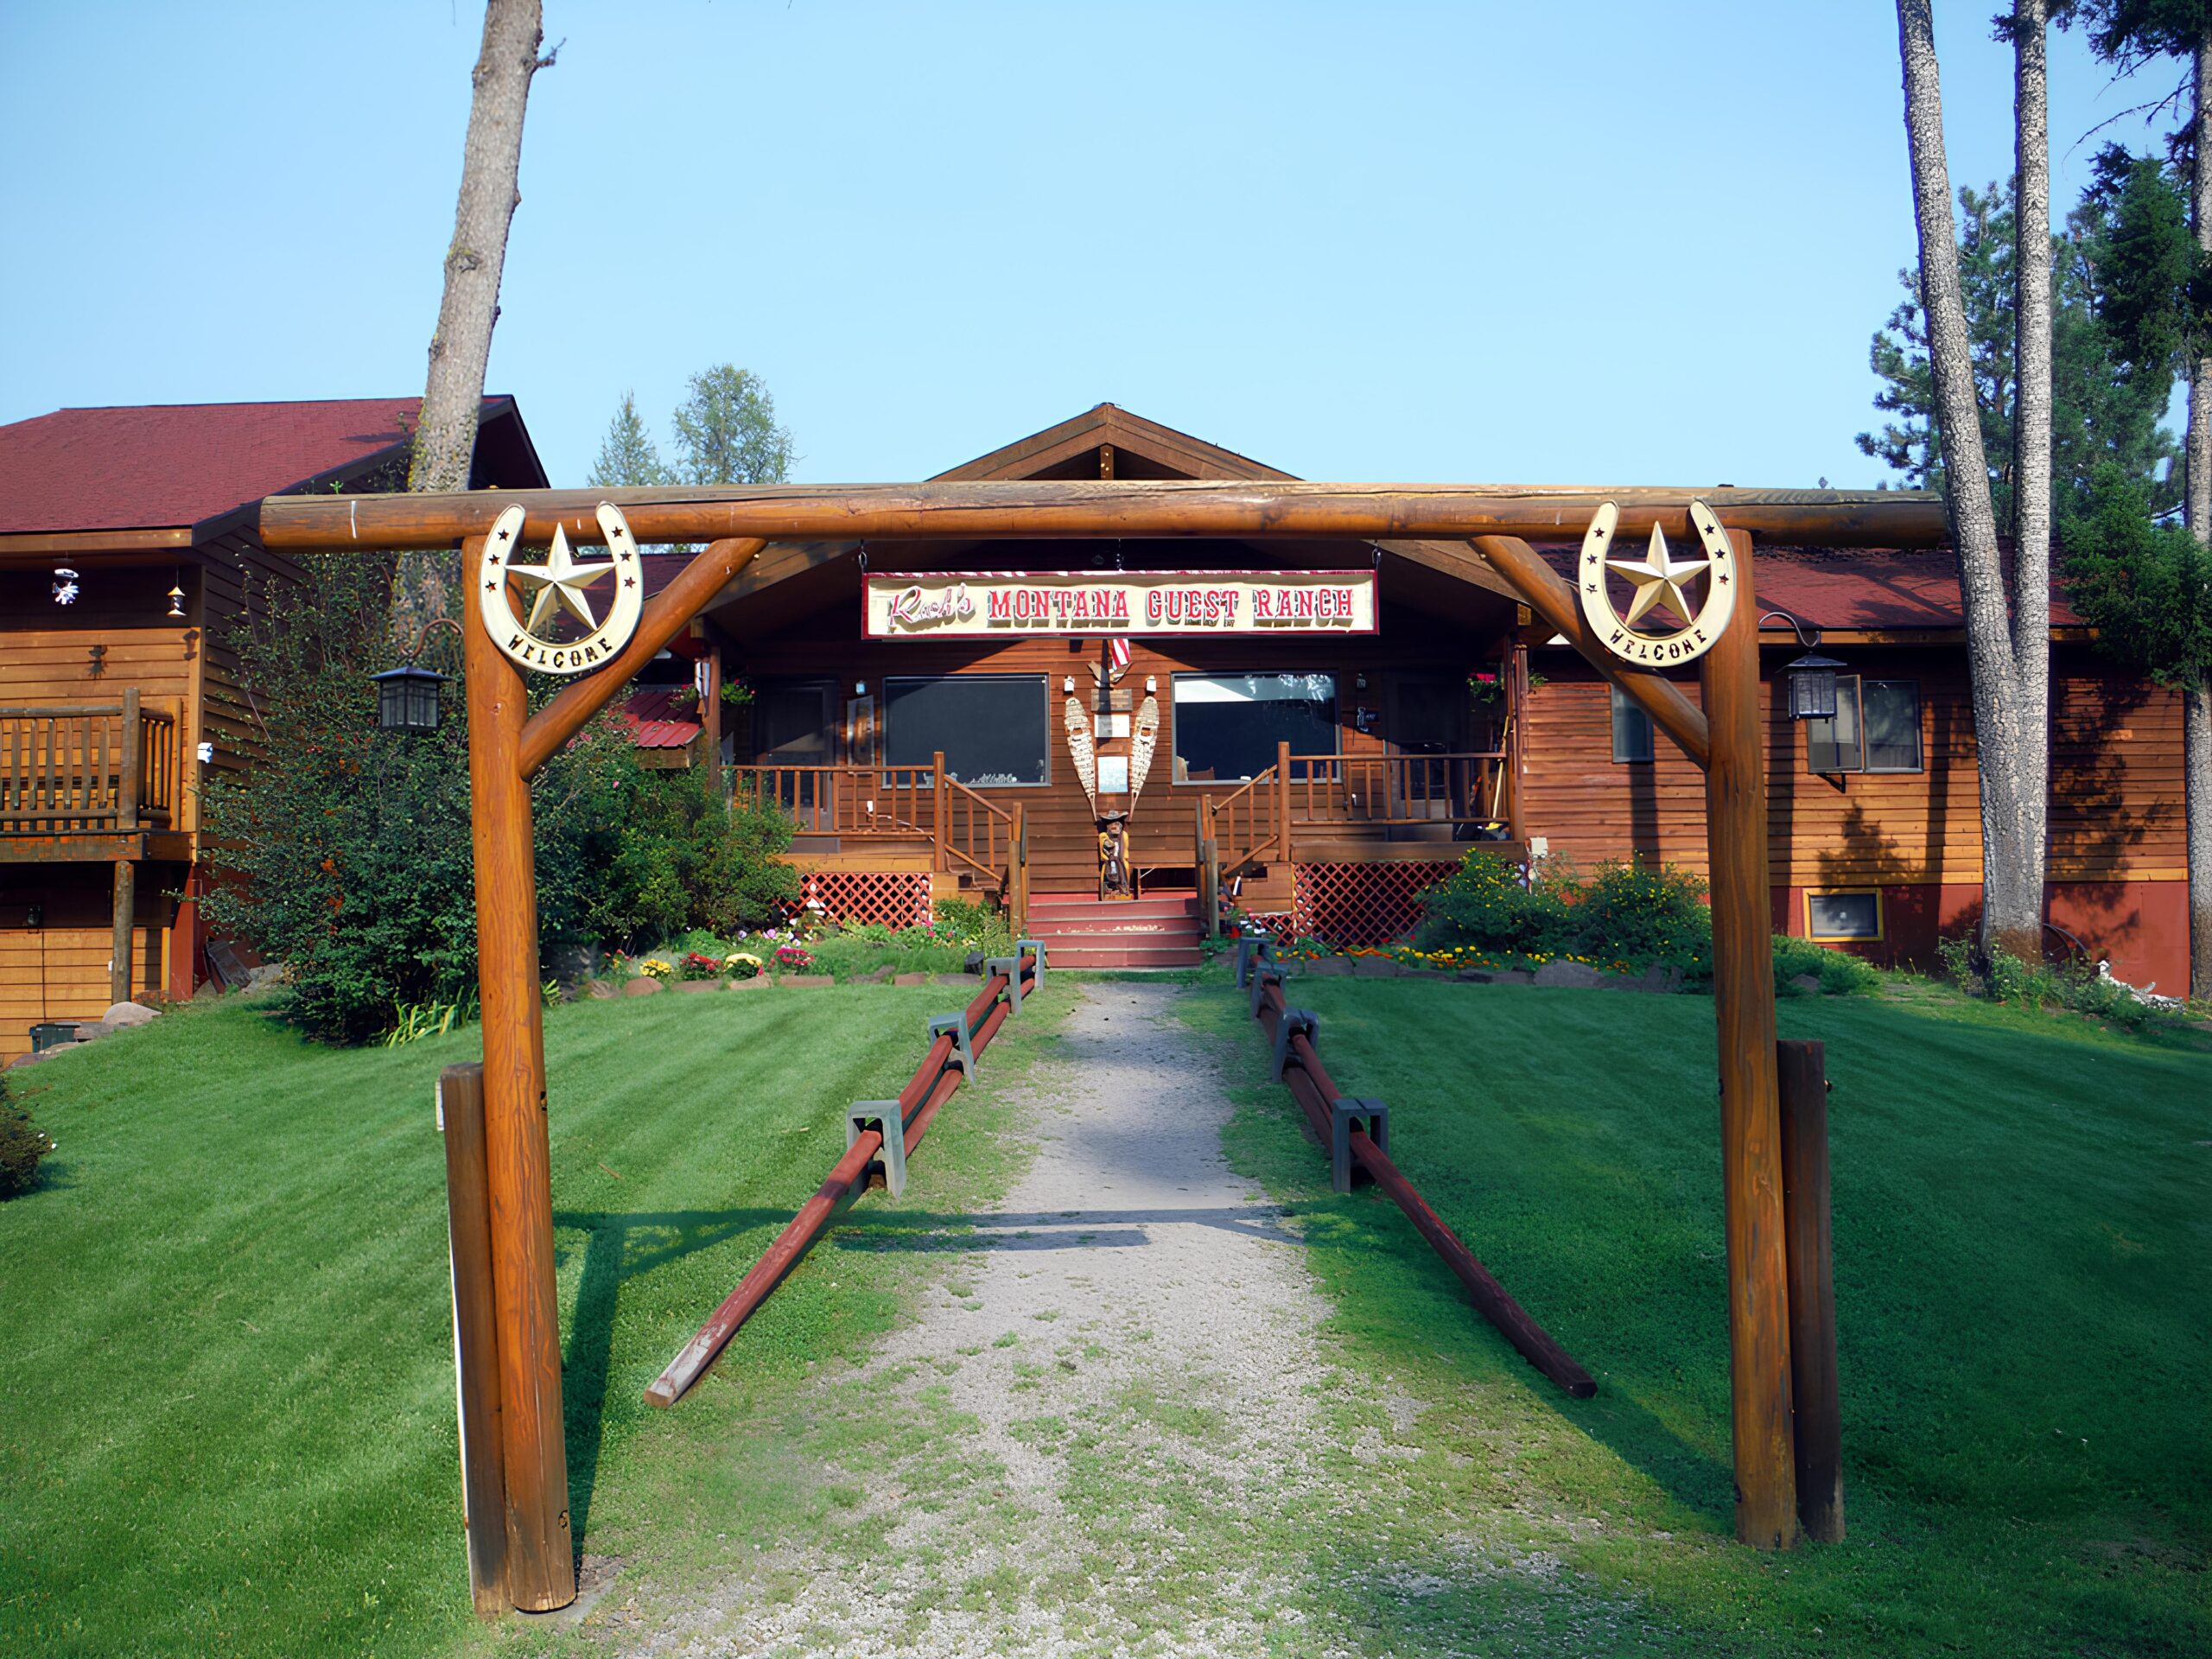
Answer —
(344, 852)
(1640, 914)
(2003, 977)
(22, 1144)
(686, 859)
(1489, 903)
(1839, 975)
(978, 927)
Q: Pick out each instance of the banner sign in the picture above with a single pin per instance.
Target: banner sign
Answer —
(996, 604)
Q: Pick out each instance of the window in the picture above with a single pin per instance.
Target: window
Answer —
(1227, 725)
(1843, 915)
(991, 727)
(1632, 729)
(790, 726)
(1876, 728)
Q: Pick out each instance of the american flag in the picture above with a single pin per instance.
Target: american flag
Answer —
(1117, 650)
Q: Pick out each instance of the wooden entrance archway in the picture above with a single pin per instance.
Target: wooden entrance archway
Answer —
(758, 534)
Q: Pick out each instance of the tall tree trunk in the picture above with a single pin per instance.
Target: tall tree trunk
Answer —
(2011, 816)
(2030, 691)
(445, 438)
(2196, 702)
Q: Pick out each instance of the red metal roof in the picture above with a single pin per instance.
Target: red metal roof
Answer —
(1849, 589)
(660, 717)
(172, 465)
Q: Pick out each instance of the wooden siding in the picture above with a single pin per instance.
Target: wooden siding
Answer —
(2116, 788)
(72, 950)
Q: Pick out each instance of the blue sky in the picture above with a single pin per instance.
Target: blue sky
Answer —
(1594, 243)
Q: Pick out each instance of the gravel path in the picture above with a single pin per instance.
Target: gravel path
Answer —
(1122, 1430)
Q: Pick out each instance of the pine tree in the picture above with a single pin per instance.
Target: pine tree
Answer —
(627, 456)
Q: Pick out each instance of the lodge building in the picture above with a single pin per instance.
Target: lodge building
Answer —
(1392, 708)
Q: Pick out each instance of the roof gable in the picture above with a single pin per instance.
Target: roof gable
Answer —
(1141, 448)
(175, 465)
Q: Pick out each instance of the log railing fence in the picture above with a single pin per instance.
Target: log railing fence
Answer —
(1300, 1069)
(944, 1067)
(87, 768)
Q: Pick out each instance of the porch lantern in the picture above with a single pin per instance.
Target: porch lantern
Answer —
(1812, 687)
(1811, 676)
(407, 699)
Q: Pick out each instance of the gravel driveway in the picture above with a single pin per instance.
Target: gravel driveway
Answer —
(1117, 1427)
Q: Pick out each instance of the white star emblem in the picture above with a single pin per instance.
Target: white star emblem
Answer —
(1657, 577)
(560, 582)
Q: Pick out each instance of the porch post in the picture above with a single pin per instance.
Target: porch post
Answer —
(541, 1565)
(1751, 1124)
(126, 905)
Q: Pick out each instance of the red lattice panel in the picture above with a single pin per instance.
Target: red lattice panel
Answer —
(1282, 923)
(891, 897)
(1362, 904)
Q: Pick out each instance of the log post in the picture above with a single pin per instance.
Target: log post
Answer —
(1751, 1129)
(1804, 1093)
(128, 782)
(541, 1564)
(475, 1336)
(1283, 797)
(937, 805)
(126, 905)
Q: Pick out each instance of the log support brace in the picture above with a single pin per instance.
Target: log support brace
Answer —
(1033, 948)
(1261, 978)
(1253, 946)
(963, 1047)
(1293, 1021)
(1011, 967)
(884, 1118)
(1347, 1113)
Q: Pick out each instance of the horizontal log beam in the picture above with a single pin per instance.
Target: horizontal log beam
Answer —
(1134, 508)
(1550, 598)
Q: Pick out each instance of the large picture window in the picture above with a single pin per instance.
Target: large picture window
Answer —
(1227, 725)
(991, 727)
(1876, 728)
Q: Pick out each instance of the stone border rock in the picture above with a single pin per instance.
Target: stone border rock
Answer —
(120, 1016)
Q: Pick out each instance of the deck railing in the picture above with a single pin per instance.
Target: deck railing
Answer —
(964, 828)
(86, 768)
(1399, 790)
(1457, 793)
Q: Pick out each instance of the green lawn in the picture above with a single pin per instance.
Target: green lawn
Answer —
(226, 1411)
(2022, 1212)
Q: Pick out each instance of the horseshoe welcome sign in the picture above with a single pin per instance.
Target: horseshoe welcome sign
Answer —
(558, 586)
(1657, 578)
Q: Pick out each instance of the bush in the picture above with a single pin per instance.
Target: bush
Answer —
(1630, 914)
(1635, 912)
(22, 1144)
(344, 852)
(686, 860)
(1489, 903)
(1839, 975)
(2003, 977)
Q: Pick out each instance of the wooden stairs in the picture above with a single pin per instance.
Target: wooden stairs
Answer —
(1082, 930)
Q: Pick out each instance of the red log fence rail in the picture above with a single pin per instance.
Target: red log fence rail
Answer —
(1317, 1094)
(936, 1080)
(86, 768)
